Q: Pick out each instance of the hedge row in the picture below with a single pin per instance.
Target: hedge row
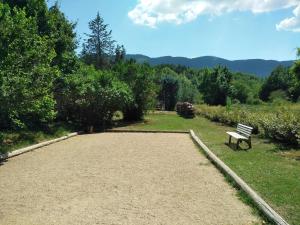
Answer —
(282, 124)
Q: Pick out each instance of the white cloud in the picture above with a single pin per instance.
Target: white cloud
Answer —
(291, 24)
(153, 12)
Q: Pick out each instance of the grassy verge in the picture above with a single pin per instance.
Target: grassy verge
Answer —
(13, 140)
(265, 168)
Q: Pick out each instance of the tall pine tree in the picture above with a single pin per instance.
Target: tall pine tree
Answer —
(98, 48)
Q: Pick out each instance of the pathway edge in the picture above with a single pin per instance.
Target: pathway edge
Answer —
(36, 146)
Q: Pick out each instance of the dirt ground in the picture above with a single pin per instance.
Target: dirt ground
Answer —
(118, 178)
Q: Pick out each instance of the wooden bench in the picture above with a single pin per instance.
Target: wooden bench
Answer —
(243, 134)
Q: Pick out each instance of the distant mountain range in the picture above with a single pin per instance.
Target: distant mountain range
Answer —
(259, 67)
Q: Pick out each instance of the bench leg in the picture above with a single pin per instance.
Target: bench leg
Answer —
(249, 143)
(237, 144)
(229, 140)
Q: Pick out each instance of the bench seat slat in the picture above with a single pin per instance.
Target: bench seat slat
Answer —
(244, 133)
(236, 135)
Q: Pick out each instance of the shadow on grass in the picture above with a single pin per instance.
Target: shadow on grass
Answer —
(286, 147)
(234, 147)
(297, 158)
(121, 123)
(284, 150)
(187, 117)
(280, 145)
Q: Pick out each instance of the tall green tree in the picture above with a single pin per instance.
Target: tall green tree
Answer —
(169, 91)
(98, 48)
(140, 78)
(295, 87)
(63, 37)
(53, 24)
(26, 75)
(33, 8)
(120, 53)
(62, 34)
(281, 78)
(216, 86)
(187, 91)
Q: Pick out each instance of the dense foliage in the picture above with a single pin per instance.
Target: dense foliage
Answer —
(26, 76)
(276, 122)
(91, 97)
(211, 86)
(216, 86)
(140, 78)
(283, 80)
(280, 79)
(169, 86)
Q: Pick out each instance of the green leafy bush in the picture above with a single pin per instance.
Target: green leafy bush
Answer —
(91, 97)
(280, 124)
(26, 75)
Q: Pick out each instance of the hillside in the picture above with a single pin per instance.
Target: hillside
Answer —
(259, 67)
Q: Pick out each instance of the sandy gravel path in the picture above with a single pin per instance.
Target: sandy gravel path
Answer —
(118, 178)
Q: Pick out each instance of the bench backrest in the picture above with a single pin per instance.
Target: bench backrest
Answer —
(244, 130)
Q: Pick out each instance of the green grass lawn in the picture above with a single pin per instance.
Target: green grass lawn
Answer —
(13, 140)
(274, 174)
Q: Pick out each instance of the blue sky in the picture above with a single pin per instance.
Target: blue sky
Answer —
(232, 29)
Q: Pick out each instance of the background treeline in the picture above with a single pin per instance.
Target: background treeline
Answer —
(43, 80)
